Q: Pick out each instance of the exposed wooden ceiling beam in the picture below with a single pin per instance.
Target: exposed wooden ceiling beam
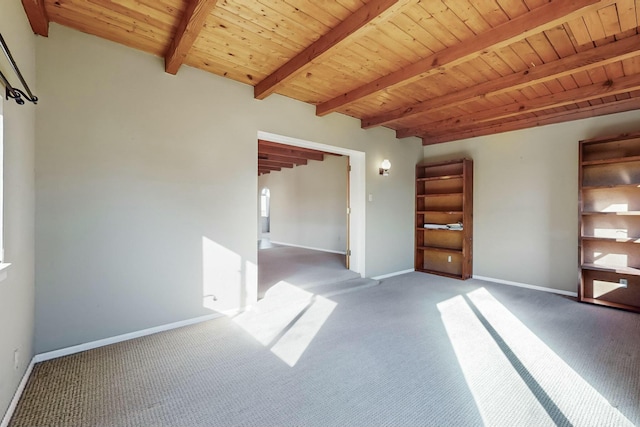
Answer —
(582, 61)
(540, 19)
(546, 119)
(274, 164)
(270, 168)
(372, 12)
(290, 153)
(189, 28)
(265, 143)
(37, 16)
(279, 158)
(554, 100)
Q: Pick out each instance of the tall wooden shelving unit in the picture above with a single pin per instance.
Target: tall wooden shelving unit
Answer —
(609, 203)
(444, 195)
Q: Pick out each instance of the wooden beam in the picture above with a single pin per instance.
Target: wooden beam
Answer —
(269, 168)
(546, 119)
(189, 28)
(290, 153)
(279, 158)
(37, 16)
(274, 164)
(554, 100)
(372, 12)
(583, 61)
(549, 15)
(265, 143)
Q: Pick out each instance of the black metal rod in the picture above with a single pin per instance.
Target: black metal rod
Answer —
(29, 96)
(11, 92)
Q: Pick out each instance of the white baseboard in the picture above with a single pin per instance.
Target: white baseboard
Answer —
(397, 273)
(16, 397)
(308, 247)
(119, 338)
(525, 285)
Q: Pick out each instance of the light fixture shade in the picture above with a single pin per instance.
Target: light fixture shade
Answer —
(386, 164)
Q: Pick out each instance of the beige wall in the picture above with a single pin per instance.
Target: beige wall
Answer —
(308, 204)
(146, 189)
(17, 290)
(525, 199)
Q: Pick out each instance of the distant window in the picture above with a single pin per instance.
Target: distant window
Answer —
(264, 202)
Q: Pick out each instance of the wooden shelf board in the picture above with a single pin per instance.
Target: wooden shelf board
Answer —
(630, 271)
(439, 249)
(613, 239)
(610, 304)
(609, 187)
(440, 273)
(440, 212)
(628, 213)
(437, 229)
(440, 194)
(439, 178)
(611, 161)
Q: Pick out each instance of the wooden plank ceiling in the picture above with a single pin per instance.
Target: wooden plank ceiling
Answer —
(273, 157)
(441, 70)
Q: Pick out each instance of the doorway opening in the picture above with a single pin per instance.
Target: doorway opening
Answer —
(313, 211)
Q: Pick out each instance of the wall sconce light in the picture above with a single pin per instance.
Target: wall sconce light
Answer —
(384, 167)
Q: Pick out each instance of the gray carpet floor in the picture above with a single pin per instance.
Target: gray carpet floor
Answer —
(416, 350)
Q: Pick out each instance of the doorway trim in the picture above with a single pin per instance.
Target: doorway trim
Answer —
(357, 192)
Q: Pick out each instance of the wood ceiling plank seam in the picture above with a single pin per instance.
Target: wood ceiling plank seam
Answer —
(532, 4)
(597, 75)
(594, 25)
(374, 13)
(586, 112)
(593, 92)
(169, 8)
(468, 15)
(106, 15)
(248, 42)
(513, 8)
(296, 16)
(270, 20)
(568, 82)
(487, 71)
(560, 41)
(107, 30)
(614, 70)
(235, 21)
(609, 19)
(623, 96)
(404, 21)
(186, 33)
(637, 4)
(37, 15)
(428, 37)
(631, 65)
(526, 53)
(576, 65)
(579, 31)
(504, 35)
(392, 39)
(491, 12)
(251, 62)
(322, 14)
(543, 49)
(386, 65)
(402, 37)
(432, 26)
(352, 6)
(471, 73)
(497, 64)
(455, 25)
(363, 69)
(142, 13)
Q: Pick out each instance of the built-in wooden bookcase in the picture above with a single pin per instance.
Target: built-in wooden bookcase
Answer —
(609, 203)
(444, 197)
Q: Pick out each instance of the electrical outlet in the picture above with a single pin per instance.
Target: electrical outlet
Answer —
(623, 283)
(449, 258)
(16, 359)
